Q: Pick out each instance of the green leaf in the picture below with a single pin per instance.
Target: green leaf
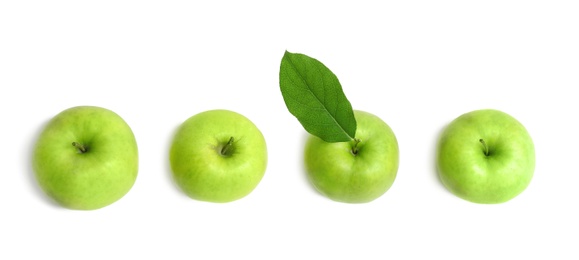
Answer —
(313, 94)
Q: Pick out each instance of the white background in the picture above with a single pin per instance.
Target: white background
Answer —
(416, 64)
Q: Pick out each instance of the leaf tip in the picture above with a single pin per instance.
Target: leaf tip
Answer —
(286, 54)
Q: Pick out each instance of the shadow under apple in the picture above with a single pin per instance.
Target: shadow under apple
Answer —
(167, 163)
(435, 157)
(305, 178)
(30, 174)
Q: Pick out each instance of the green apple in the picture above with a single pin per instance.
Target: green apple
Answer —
(357, 171)
(86, 158)
(485, 156)
(218, 156)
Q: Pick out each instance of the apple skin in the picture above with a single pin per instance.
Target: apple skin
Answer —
(340, 175)
(93, 179)
(469, 173)
(200, 169)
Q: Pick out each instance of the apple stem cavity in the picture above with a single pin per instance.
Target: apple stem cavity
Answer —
(81, 148)
(226, 150)
(355, 147)
(486, 151)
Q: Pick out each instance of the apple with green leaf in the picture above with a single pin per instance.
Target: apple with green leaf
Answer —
(351, 156)
(218, 156)
(86, 158)
(486, 156)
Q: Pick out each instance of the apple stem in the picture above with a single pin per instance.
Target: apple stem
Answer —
(80, 147)
(227, 147)
(485, 146)
(355, 148)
